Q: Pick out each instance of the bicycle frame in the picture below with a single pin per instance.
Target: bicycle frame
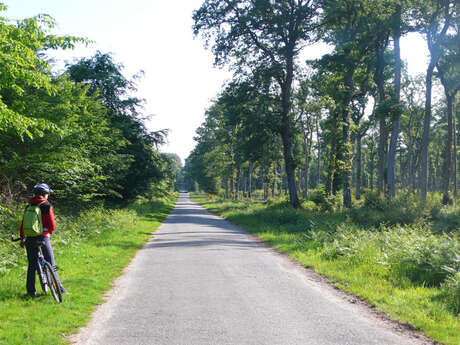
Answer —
(46, 274)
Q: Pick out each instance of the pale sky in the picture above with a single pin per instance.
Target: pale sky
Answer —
(156, 36)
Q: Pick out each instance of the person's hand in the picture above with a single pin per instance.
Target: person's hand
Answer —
(21, 243)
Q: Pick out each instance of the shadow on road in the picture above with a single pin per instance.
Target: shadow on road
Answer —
(196, 221)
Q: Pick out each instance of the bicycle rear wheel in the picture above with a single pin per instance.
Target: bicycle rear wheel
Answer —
(52, 283)
(42, 278)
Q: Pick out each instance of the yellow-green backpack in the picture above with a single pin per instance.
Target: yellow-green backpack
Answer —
(32, 224)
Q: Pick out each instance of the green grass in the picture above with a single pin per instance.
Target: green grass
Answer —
(390, 267)
(92, 251)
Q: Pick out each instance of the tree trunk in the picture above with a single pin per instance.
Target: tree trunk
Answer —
(238, 182)
(397, 93)
(448, 151)
(454, 132)
(300, 185)
(251, 168)
(232, 186)
(286, 133)
(426, 132)
(410, 164)
(358, 166)
(307, 145)
(347, 202)
(383, 130)
(332, 157)
(265, 182)
(371, 172)
(318, 159)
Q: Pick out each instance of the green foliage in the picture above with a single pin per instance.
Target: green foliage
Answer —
(143, 163)
(451, 289)
(325, 202)
(447, 219)
(408, 253)
(23, 68)
(174, 171)
(420, 256)
(405, 208)
(84, 139)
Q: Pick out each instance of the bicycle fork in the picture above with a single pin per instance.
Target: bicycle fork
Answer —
(41, 263)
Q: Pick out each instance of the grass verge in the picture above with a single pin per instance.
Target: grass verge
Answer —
(92, 251)
(388, 267)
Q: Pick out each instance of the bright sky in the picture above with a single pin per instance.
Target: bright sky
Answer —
(156, 36)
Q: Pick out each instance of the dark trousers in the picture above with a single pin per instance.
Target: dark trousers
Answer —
(32, 253)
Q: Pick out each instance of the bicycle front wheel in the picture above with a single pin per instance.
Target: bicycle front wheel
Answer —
(52, 283)
(42, 278)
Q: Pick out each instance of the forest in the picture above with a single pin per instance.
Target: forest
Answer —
(349, 122)
(81, 130)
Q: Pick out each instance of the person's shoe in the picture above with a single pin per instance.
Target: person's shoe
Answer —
(64, 291)
(32, 295)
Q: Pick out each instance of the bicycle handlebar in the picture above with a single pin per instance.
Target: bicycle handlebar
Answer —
(15, 239)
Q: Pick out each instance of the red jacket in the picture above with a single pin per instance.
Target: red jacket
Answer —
(49, 224)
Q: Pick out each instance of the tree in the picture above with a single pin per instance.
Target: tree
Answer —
(349, 26)
(448, 68)
(265, 35)
(105, 80)
(23, 66)
(435, 17)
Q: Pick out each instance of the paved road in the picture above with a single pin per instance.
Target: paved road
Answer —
(201, 280)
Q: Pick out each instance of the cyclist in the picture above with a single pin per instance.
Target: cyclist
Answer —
(41, 193)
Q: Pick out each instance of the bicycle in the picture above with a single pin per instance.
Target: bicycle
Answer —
(46, 273)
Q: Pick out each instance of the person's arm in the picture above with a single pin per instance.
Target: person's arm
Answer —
(21, 234)
(48, 221)
(21, 230)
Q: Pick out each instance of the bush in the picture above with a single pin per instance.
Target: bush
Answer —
(375, 201)
(447, 219)
(325, 202)
(422, 257)
(451, 289)
(309, 205)
(349, 242)
(408, 253)
(406, 208)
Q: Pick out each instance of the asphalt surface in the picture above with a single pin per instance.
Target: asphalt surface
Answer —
(201, 280)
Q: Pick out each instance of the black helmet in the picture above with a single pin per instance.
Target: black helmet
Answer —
(42, 188)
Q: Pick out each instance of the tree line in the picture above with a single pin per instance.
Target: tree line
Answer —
(352, 119)
(81, 130)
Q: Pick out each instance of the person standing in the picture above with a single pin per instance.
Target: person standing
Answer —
(37, 225)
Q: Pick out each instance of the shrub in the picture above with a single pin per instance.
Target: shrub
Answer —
(446, 219)
(375, 201)
(422, 257)
(451, 289)
(324, 201)
(409, 253)
(309, 206)
(406, 208)
(348, 241)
